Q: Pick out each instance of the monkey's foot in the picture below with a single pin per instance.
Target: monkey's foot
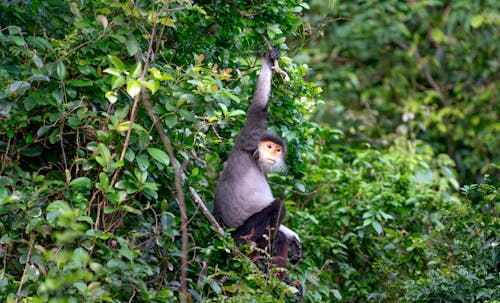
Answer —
(296, 251)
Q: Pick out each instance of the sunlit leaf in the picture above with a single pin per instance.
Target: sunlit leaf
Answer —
(117, 81)
(112, 96)
(133, 88)
(117, 63)
(476, 21)
(136, 70)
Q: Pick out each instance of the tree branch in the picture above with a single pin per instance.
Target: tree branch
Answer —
(177, 167)
(179, 180)
(205, 211)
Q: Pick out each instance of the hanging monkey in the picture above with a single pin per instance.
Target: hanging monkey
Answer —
(243, 198)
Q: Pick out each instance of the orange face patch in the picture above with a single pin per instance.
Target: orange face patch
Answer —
(271, 149)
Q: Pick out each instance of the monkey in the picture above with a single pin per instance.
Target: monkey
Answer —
(243, 198)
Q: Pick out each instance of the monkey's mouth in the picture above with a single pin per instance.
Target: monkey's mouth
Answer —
(271, 161)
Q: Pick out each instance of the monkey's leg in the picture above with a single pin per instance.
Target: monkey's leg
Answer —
(281, 246)
(260, 223)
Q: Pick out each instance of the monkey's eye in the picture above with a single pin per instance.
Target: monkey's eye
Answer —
(278, 150)
(269, 146)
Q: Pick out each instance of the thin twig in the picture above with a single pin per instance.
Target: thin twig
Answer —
(311, 193)
(28, 258)
(205, 211)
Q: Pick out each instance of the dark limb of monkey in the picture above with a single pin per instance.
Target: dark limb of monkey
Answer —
(265, 222)
(263, 228)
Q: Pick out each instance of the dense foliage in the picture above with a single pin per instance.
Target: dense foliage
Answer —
(89, 208)
(419, 69)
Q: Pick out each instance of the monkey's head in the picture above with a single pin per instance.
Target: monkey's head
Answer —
(270, 153)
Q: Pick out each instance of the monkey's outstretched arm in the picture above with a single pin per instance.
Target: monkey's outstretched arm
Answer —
(256, 122)
(263, 89)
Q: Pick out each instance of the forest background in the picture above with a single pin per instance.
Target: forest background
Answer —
(116, 119)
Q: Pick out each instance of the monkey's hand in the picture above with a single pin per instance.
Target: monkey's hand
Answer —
(272, 59)
(274, 53)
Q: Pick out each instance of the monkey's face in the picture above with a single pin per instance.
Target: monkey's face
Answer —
(271, 155)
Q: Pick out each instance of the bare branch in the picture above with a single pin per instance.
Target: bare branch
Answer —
(205, 211)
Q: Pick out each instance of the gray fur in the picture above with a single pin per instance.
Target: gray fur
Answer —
(243, 188)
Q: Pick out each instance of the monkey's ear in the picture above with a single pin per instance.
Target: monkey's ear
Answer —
(274, 53)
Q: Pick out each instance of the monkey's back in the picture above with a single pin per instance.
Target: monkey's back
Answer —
(242, 191)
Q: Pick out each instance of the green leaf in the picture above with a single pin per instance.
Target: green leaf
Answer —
(59, 206)
(237, 112)
(113, 71)
(111, 96)
(30, 103)
(143, 162)
(167, 22)
(61, 70)
(18, 87)
(38, 62)
(81, 83)
(155, 72)
(130, 209)
(32, 150)
(117, 81)
(159, 155)
(477, 21)
(104, 181)
(377, 227)
(43, 130)
(104, 151)
(153, 85)
(171, 120)
(337, 294)
(300, 187)
(132, 45)
(133, 88)
(136, 70)
(125, 251)
(81, 184)
(117, 63)
(223, 107)
(189, 116)
(19, 41)
(438, 35)
(54, 135)
(39, 77)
